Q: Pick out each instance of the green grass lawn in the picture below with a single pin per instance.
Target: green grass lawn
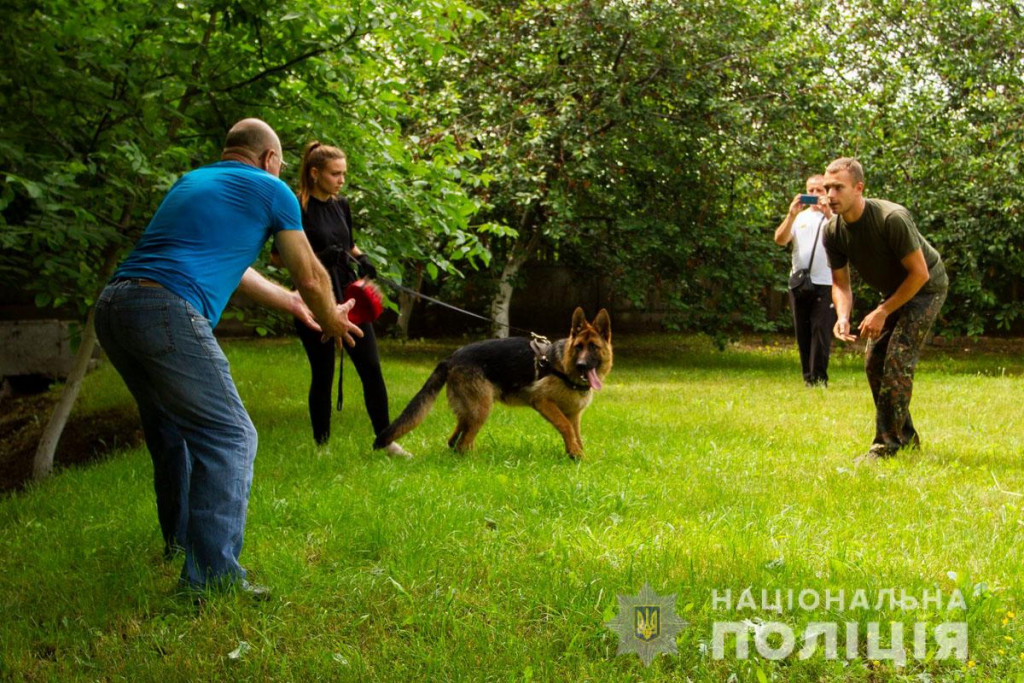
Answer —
(708, 473)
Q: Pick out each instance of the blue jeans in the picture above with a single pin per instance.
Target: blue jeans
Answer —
(199, 435)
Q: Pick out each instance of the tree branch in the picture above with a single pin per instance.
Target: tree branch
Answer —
(285, 66)
(618, 53)
(192, 90)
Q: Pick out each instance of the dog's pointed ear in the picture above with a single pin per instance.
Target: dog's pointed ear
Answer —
(579, 321)
(603, 324)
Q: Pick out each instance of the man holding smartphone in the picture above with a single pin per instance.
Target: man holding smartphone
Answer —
(813, 313)
(881, 241)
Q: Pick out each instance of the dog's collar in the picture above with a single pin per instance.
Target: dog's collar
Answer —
(569, 383)
(542, 363)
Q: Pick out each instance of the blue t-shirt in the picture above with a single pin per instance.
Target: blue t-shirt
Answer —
(209, 228)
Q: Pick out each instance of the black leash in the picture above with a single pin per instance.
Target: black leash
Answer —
(336, 250)
(540, 344)
(412, 292)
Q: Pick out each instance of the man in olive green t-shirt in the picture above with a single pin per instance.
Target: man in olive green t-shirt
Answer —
(880, 240)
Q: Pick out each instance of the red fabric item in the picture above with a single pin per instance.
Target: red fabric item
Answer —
(369, 302)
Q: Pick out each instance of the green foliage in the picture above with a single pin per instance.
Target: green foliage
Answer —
(655, 142)
(935, 116)
(631, 139)
(108, 103)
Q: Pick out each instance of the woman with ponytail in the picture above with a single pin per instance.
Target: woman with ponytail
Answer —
(327, 221)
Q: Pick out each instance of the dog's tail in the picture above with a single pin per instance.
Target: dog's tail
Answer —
(417, 409)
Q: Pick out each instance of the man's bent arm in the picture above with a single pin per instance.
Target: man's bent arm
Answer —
(314, 284)
(784, 233)
(917, 276)
(270, 294)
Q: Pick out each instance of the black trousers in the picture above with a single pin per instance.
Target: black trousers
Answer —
(321, 364)
(814, 316)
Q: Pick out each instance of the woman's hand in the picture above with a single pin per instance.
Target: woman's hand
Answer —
(366, 269)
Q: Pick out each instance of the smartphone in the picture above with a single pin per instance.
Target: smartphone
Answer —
(809, 199)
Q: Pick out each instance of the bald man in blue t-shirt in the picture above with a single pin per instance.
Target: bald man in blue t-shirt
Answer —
(155, 320)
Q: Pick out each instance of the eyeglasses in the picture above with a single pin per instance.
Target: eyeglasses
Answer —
(281, 162)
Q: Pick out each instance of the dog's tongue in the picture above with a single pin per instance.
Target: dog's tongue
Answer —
(595, 381)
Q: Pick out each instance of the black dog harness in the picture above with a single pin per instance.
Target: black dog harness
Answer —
(542, 366)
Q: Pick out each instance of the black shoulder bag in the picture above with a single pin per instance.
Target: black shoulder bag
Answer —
(800, 281)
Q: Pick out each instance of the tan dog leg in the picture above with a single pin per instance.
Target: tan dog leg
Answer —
(554, 415)
(574, 420)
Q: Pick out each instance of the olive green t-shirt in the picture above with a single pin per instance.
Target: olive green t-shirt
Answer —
(877, 242)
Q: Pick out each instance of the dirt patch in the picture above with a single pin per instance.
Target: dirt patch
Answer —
(86, 438)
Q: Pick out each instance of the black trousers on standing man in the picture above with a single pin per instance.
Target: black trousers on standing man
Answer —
(814, 316)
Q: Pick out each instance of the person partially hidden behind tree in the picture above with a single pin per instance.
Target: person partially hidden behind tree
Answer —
(813, 312)
(155, 321)
(880, 240)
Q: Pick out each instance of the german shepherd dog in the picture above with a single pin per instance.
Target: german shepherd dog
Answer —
(557, 379)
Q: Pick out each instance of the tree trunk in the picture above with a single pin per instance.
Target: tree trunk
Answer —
(503, 298)
(522, 250)
(406, 302)
(43, 463)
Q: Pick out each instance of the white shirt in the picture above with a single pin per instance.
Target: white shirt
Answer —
(805, 225)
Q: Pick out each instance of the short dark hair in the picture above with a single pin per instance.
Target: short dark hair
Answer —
(850, 165)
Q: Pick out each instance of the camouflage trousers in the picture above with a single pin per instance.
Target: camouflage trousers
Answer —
(890, 362)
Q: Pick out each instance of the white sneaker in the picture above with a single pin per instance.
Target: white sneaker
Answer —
(396, 451)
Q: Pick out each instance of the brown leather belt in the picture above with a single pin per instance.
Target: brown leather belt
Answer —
(143, 282)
